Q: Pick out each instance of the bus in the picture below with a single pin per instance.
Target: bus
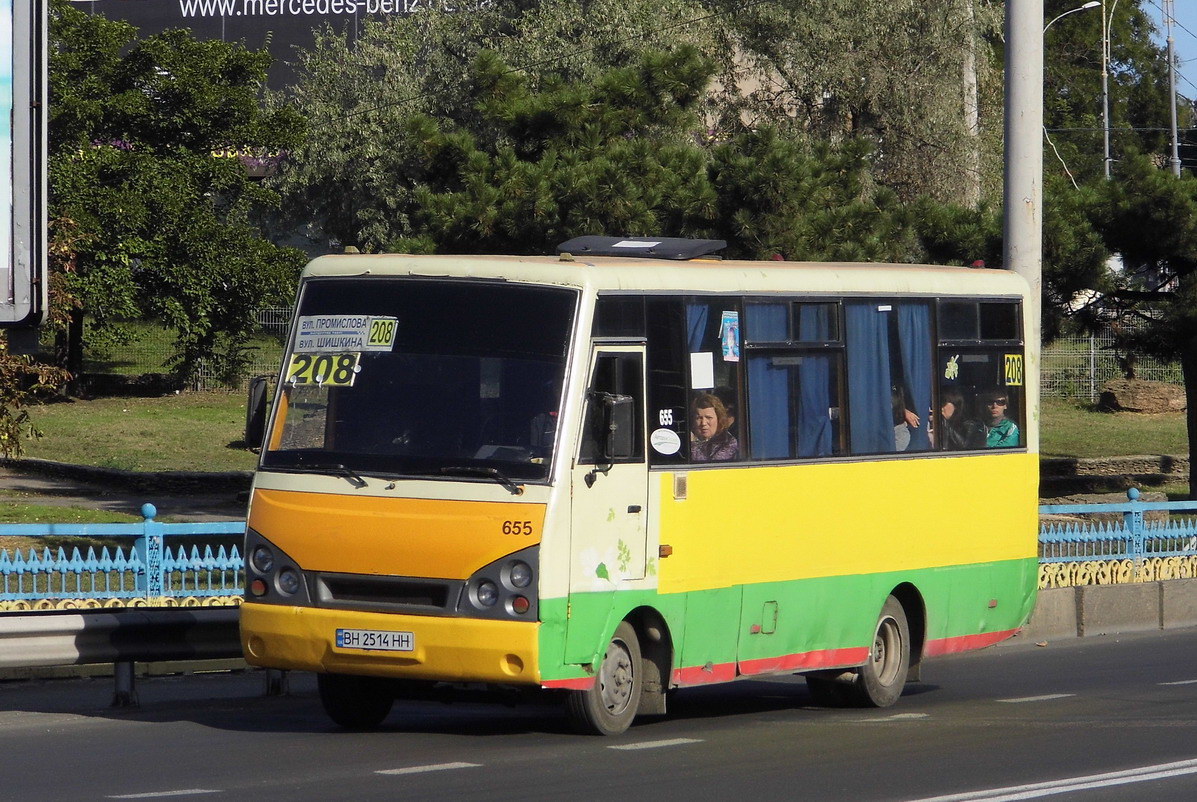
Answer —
(633, 467)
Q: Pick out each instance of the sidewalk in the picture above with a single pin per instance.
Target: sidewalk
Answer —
(181, 495)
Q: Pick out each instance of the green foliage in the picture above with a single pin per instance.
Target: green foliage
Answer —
(918, 78)
(572, 158)
(152, 223)
(22, 380)
(786, 195)
(357, 182)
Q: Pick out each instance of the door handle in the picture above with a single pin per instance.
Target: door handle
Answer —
(634, 508)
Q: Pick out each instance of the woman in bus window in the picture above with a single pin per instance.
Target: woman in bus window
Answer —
(955, 433)
(710, 440)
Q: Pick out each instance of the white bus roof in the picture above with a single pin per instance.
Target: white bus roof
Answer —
(631, 274)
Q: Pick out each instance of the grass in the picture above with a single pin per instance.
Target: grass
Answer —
(1071, 429)
(190, 431)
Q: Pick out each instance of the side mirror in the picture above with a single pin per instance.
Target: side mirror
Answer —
(619, 421)
(255, 413)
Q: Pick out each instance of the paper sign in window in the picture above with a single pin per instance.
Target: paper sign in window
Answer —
(702, 370)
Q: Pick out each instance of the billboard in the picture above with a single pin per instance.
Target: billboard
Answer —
(277, 25)
(23, 288)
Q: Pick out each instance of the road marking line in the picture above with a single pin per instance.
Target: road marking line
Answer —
(901, 717)
(433, 767)
(160, 794)
(1033, 790)
(1181, 682)
(658, 744)
(1045, 697)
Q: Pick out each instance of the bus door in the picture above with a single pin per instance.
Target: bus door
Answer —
(609, 513)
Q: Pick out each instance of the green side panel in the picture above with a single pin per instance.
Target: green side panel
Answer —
(748, 622)
(712, 627)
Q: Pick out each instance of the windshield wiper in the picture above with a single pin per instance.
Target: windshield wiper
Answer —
(491, 473)
(349, 474)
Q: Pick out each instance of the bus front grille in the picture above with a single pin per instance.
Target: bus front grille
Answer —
(387, 593)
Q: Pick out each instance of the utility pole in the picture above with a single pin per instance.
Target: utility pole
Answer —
(1022, 225)
(1107, 21)
(1169, 8)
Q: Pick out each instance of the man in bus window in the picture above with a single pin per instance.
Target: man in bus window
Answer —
(710, 441)
(1000, 431)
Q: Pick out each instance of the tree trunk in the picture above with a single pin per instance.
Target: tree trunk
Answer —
(971, 188)
(1188, 366)
(74, 352)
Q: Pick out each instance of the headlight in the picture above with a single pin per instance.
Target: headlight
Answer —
(288, 581)
(520, 574)
(262, 560)
(486, 593)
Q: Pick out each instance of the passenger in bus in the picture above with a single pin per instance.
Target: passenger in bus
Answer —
(905, 419)
(1000, 431)
(710, 440)
(955, 433)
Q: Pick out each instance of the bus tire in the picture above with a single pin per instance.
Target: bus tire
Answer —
(879, 682)
(608, 706)
(353, 702)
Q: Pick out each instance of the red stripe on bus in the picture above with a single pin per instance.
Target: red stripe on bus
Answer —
(576, 684)
(704, 675)
(825, 658)
(964, 643)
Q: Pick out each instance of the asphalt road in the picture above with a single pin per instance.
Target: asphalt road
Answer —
(1094, 719)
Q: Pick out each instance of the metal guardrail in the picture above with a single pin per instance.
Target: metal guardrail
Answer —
(105, 574)
(78, 604)
(1128, 535)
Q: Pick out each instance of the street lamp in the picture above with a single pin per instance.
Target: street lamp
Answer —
(1086, 7)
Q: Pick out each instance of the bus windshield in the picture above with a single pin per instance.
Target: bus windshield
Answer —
(423, 377)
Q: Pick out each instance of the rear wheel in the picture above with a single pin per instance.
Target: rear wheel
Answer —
(356, 703)
(609, 706)
(879, 682)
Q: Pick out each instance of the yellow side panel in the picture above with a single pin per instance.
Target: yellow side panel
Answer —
(766, 524)
(446, 539)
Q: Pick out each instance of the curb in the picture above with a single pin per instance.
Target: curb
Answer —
(180, 481)
(1087, 610)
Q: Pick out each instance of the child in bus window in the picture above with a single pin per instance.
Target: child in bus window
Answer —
(1000, 431)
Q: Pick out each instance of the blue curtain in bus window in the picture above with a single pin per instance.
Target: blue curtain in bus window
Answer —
(914, 336)
(768, 385)
(814, 383)
(696, 325)
(870, 405)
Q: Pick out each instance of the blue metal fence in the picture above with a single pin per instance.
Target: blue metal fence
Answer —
(146, 568)
(1131, 536)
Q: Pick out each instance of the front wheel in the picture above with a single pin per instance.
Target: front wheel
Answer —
(353, 702)
(608, 706)
(879, 681)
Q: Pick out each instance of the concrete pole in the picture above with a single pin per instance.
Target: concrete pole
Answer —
(1107, 21)
(1023, 201)
(1169, 8)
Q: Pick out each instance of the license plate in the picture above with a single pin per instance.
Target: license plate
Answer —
(376, 639)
